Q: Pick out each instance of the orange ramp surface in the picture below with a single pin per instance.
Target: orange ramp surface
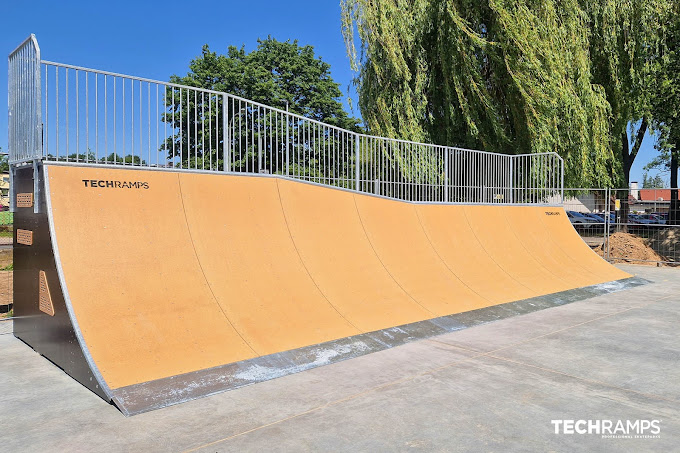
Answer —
(194, 271)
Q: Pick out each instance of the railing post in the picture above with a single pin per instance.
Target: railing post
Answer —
(446, 174)
(287, 141)
(259, 142)
(511, 179)
(562, 179)
(356, 161)
(226, 139)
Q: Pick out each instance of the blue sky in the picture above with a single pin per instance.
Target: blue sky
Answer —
(147, 40)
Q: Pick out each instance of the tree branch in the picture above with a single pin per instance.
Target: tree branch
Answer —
(638, 138)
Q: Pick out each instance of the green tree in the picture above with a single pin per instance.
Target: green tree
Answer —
(567, 76)
(652, 182)
(666, 114)
(4, 162)
(626, 37)
(279, 74)
(508, 77)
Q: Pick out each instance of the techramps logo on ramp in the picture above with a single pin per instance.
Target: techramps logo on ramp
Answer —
(101, 184)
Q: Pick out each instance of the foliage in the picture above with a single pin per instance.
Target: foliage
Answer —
(90, 157)
(279, 74)
(4, 162)
(652, 182)
(666, 89)
(625, 39)
(507, 76)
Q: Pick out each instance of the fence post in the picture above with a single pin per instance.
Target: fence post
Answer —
(605, 246)
(259, 141)
(356, 161)
(446, 174)
(226, 139)
(510, 178)
(287, 141)
(562, 179)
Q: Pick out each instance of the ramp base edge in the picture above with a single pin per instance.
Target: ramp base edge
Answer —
(151, 395)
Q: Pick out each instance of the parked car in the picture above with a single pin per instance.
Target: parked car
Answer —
(580, 221)
(653, 218)
(596, 217)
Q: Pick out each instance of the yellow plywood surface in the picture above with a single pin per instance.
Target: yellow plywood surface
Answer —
(326, 229)
(451, 235)
(246, 252)
(566, 239)
(527, 223)
(189, 271)
(395, 232)
(136, 286)
(490, 226)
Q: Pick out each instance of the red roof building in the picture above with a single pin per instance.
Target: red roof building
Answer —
(655, 195)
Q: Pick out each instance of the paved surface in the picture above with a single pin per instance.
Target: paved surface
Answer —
(494, 387)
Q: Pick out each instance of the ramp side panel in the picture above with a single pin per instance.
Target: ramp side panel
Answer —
(53, 337)
(249, 259)
(565, 237)
(134, 282)
(456, 243)
(398, 238)
(330, 238)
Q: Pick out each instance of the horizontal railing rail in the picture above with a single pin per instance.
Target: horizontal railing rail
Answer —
(99, 117)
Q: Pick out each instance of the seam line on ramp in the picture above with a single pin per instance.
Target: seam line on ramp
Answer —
(200, 266)
(472, 230)
(422, 226)
(375, 252)
(302, 261)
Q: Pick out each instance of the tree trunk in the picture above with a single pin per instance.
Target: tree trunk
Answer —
(674, 211)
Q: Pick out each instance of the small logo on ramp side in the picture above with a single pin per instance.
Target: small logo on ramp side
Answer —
(114, 184)
(552, 212)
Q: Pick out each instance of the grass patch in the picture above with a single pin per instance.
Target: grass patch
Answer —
(6, 234)
(9, 267)
(6, 218)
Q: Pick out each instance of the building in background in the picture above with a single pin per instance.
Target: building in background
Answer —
(4, 191)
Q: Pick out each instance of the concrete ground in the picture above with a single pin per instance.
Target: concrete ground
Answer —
(494, 387)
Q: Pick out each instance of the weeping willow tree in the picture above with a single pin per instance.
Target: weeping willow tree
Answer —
(503, 76)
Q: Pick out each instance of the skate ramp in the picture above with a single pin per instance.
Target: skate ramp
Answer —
(187, 272)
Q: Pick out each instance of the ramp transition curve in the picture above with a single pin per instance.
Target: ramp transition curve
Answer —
(164, 274)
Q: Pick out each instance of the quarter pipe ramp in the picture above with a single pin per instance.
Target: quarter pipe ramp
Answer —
(168, 285)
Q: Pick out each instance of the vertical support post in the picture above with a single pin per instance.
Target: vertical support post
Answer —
(226, 139)
(287, 141)
(36, 186)
(12, 197)
(562, 179)
(259, 141)
(607, 225)
(356, 161)
(446, 174)
(511, 179)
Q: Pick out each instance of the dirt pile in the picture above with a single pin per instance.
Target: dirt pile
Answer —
(630, 247)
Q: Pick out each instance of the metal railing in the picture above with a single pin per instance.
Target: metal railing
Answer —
(89, 116)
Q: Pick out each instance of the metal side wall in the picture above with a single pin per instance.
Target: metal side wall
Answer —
(53, 337)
